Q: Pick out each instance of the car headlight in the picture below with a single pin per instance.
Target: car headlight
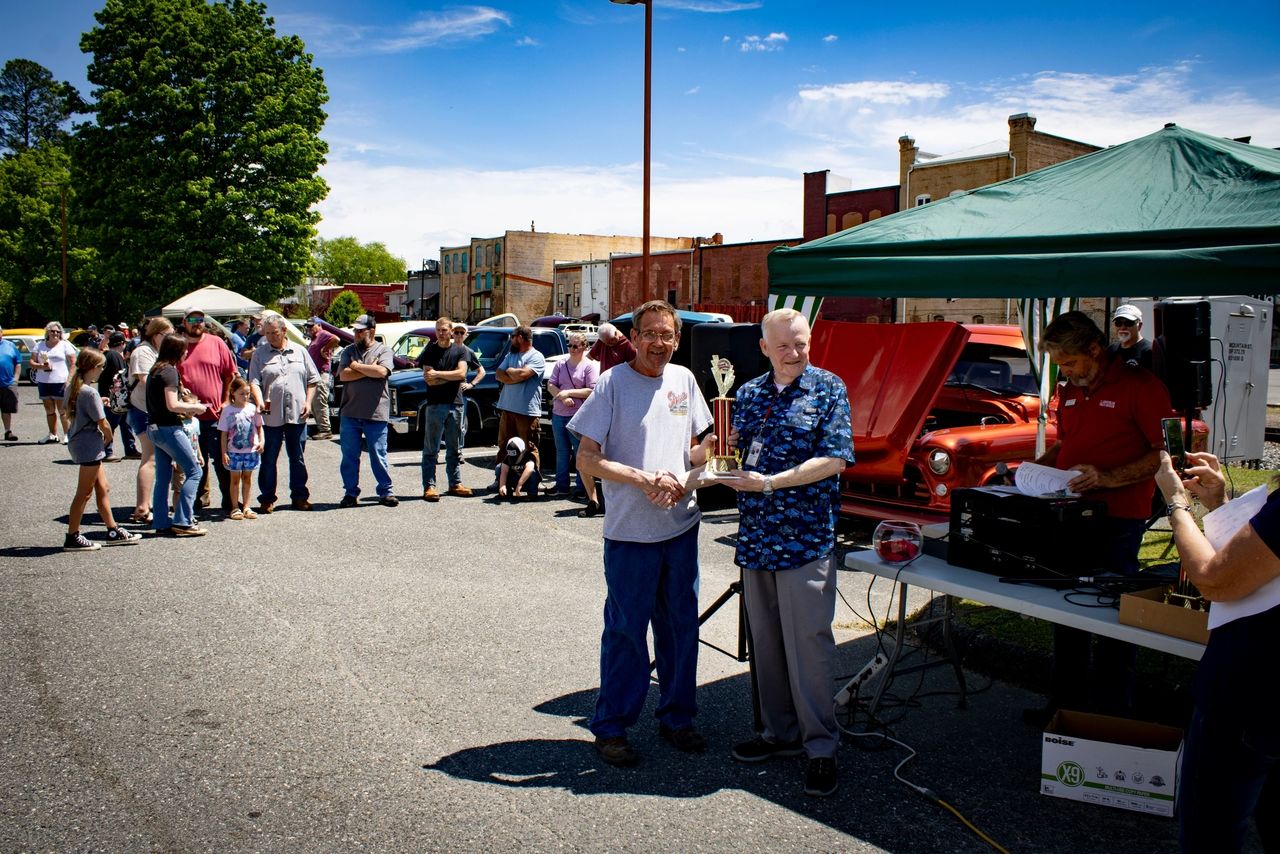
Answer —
(939, 462)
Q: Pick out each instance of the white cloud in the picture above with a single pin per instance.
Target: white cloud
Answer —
(725, 40)
(416, 211)
(830, 38)
(875, 92)
(527, 41)
(859, 122)
(771, 42)
(695, 90)
(326, 36)
(713, 6)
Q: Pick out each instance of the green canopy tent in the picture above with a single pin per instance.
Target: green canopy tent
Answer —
(1175, 213)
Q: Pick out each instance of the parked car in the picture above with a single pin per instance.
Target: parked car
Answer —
(589, 330)
(936, 407)
(26, 338)
(490, 344)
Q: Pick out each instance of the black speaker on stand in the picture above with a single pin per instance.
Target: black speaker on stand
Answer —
(1180, 356)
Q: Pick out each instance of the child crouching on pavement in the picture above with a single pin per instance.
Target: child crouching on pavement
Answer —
(517, 469)
(242, 443)
(87, 439)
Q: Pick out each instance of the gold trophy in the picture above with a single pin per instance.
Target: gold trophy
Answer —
(723, 459)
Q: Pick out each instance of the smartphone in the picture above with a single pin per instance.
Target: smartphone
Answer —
(1173, 442)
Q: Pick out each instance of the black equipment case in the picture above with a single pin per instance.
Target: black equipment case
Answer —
(1011, 534)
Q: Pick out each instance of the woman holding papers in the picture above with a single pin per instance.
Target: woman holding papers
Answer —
(1231, 762)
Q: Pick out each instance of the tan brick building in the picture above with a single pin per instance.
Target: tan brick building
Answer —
(925, 179)
(514, 272)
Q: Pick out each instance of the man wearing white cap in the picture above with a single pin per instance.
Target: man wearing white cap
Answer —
(1129, 343)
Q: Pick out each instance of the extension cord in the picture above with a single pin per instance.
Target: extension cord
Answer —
(868, 671)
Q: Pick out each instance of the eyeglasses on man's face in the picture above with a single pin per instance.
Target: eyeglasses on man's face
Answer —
(1120, 321)
(195, 318)
(650, 336)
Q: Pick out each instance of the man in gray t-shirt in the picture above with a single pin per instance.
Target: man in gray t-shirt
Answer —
(639, 435)
(366, 411)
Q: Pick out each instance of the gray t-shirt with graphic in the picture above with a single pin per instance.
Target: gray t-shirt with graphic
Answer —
(646, 423)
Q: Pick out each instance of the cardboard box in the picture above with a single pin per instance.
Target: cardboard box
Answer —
(1112, 762)
(1147, 609)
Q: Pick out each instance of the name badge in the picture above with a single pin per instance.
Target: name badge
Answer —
(753, 454)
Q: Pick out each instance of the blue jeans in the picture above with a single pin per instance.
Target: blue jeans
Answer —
(358, 435)
(138, 420)
(294, 438)
(173, 446)
(121, 420)
(566, 448)
(648, 583)
(442, 419)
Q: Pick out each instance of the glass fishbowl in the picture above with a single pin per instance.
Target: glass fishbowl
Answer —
(896, 541)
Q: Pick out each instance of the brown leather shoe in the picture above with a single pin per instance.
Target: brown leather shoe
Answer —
(266, 507)
(616, 751)
(301, 504)
(430, 494)
(461, 491)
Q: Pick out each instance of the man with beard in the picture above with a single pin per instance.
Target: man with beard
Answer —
(1109, 431)
(1129, 342)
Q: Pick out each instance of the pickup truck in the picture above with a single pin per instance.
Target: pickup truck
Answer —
(490, 344)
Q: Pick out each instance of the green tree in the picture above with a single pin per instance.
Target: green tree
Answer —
(31, 186)
(344, 309)
(33, 106)
(201, 167)
(345, 261)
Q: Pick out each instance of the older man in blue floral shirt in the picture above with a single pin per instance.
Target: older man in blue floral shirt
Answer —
(792, 428)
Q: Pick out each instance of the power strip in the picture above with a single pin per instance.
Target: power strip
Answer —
(868, 671)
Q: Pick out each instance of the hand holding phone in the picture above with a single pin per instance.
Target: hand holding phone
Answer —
(1173, 442)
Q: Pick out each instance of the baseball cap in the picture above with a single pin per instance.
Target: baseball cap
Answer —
(123, 327)
(364, 321)
(92, 328)
(1127, 312)
(515, 447)
(116, 339)
(313, 321)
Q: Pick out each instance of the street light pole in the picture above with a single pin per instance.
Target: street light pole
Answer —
(648, 100)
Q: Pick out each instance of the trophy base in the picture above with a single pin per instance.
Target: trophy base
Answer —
(720, 466)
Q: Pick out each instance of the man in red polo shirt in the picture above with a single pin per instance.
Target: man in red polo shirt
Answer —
(1108, 415)
(206, 371)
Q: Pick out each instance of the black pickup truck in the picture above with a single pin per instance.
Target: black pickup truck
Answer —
(490, 344)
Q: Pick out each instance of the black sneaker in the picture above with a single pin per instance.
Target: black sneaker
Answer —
(821, 778)
(348, 501)
(592, 509)
(389, 501)
(120, 537)
(77, 543)
(759, 750)
(686, 739)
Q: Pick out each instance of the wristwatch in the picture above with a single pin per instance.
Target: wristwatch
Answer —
(768, 485)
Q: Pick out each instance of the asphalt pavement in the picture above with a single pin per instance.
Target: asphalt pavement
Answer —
(417, 679)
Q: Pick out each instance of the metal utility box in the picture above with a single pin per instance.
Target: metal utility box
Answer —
(1240, 349)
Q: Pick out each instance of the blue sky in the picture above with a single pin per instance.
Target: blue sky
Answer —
(450, 120)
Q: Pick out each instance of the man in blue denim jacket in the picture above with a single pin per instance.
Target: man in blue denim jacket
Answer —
(792, 428)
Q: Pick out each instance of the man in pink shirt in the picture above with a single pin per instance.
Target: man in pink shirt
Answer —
(207, 371)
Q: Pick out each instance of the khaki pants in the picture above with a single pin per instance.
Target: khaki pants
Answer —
(320, 405)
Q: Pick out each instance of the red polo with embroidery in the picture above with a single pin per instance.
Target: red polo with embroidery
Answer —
(1113, 425)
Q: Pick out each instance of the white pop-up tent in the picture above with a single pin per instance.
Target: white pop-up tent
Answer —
(213, 301)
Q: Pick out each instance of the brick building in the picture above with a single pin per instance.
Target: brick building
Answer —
(926, 178)
(828, 212)
(514, 272)
(670, 278)
(581, 288)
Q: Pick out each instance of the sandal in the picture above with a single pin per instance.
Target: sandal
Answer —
(245, 514)
(236, 515)
(144, 519)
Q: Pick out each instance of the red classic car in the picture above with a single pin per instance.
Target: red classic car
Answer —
(936, 407)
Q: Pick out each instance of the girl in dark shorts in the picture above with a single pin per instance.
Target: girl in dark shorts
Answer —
(86, 442)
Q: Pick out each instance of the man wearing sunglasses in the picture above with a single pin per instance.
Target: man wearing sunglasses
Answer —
(1129, 343)
(207, 371)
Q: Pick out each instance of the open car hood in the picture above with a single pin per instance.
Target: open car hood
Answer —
(893, 372)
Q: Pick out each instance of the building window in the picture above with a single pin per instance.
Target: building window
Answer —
(851, 219)
(465, 255)
(831, 223)
(488, 281)
(446, 263)
(478, 283)
(923, 199)
(497, 253)
(938, 317)
(977, 318)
